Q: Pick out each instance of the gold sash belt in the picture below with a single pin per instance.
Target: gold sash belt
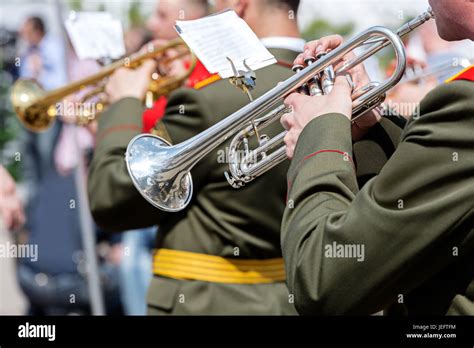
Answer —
(193, 266)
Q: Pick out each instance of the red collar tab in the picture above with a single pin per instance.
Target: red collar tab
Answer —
(467, 74)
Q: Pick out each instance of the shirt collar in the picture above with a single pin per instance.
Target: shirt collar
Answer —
(285, 42)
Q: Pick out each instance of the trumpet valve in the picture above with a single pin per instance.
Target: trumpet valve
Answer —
(304, 88)
(327, 76)
(327, 79)
(314, 84)
(297, 68)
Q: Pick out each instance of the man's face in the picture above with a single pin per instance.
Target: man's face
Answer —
(28, 34)
(162, 21)
(454, 18)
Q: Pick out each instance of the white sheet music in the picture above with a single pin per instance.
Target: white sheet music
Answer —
(216, 37)
(95, 35)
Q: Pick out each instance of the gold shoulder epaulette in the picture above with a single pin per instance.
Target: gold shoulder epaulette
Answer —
(466, 74)
(207, 82)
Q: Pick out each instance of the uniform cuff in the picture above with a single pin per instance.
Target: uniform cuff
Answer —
(120, 123)
(330, 133)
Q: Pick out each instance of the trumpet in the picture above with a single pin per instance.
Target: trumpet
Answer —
(36, 108)
(417, 74)
(161, 172)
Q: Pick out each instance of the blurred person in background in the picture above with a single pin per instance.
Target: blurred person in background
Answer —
(162, 21)
(161, 26)
(43, 59)
(55, 283)
(51, 223)
(76, 143)
(135, 38)
(12, 215)
(127, 260)
(133, 254)
(12, 218)
(136, 254)
(8, 51)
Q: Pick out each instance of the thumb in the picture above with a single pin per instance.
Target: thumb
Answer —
(341, 88)
(294, 100)
(148, 67)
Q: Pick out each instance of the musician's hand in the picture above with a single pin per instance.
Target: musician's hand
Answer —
(306, 108)
(358, 74)
(127, 82)
(11, 209)
(313, 48)
(327, 44)
(175, 67)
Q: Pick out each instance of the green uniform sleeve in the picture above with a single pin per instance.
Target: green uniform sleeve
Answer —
(115, 203)
(353, 252)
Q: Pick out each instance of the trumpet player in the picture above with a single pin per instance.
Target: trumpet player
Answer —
(221, 255)
(161, 26)
(135, 273)
(403, 242)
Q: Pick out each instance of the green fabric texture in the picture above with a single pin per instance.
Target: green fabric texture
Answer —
(415, 219)
(220, 220)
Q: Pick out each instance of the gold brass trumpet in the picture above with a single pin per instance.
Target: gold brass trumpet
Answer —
(161, 173)
(36, 108)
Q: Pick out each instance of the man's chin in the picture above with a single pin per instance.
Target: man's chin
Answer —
(453, 31)
(448, 33)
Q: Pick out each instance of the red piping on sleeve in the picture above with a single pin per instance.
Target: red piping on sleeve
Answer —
(314, 154)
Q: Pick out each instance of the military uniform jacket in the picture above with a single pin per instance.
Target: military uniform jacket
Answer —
(413, 222)
(220, 220)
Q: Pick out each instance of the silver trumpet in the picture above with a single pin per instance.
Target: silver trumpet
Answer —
(448, 67)
(161, 172)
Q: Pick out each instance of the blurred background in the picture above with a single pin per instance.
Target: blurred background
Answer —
(49, 168)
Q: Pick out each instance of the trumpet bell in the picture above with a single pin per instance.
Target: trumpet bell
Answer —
(33, 115)
(36, 108)
(147, 158)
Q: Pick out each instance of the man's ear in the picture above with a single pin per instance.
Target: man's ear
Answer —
(240, 7)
